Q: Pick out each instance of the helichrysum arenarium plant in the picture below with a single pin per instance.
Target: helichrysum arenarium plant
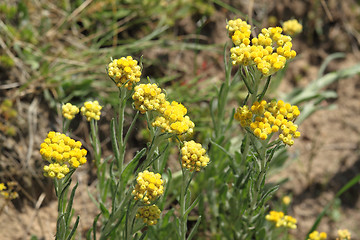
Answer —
(131, 195)
(228, 185)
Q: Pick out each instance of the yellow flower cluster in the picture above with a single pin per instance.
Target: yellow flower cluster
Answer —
(124, 71)
(281, 220)
(69, 111)
(238, 30)
(61, 152)
(173, 119)
(292, 27)
(315, 235)
(269, 51)
(148, 97)
(9, 193)
(149, 187)
(265, 118)
(56, 170)
(194, 156)
(149, 214)
(343, 234)
(91, 110)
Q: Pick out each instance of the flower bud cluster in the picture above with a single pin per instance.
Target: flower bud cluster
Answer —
(149, 214)
(61, 152)
(173, 119)
(9, 192)
(315, 235)
(69, 111)
(149, 187)
(125, 72)
(91, 110)
(241, 28)
(292, 27)
(343, 234)
(194, 156)
(281, 220)
(148, 97)
(269, 51)
(265, 118)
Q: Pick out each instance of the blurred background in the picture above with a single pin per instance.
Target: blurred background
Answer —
(53, 52)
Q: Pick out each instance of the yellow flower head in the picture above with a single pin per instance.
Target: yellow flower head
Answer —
(315, 235)
(268, 51)
(125, 72)
(148, 97)
(343, 234)
(2, 187)
(149, 214)
(91, 110)
(281, 220)
(173, 119)
(274, 216)
(264, 118)
(61, 152)
(149, 186)
(292, 27)
(286, 200)
(69, 111)
(194, 156)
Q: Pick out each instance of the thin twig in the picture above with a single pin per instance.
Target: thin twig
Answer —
(35, 214)
(32, 120)
(328, 13)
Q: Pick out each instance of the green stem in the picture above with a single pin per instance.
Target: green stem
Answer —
(95, 141)
(120, 130)
(183, 217)
(66, 124)
(222, 100)
(260, 176)
(130, 220)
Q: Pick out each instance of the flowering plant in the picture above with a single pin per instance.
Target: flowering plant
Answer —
(133, 194)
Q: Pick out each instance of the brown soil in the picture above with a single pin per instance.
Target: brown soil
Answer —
(325, 158)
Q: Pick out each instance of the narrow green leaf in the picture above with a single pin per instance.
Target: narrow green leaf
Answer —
(74, 228)
(231, 119)
(231, 158)
(267, 195)
(212, 112)
(143, 235)
(260, 97)
(327, 60)
(104, 210)
(191, 207)
(194, 229)
(63, 193)
(93, 229)
(131, 127)
(92, 198)
(130, 167)
(114, 143)
(60, 227)
(70, 204)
